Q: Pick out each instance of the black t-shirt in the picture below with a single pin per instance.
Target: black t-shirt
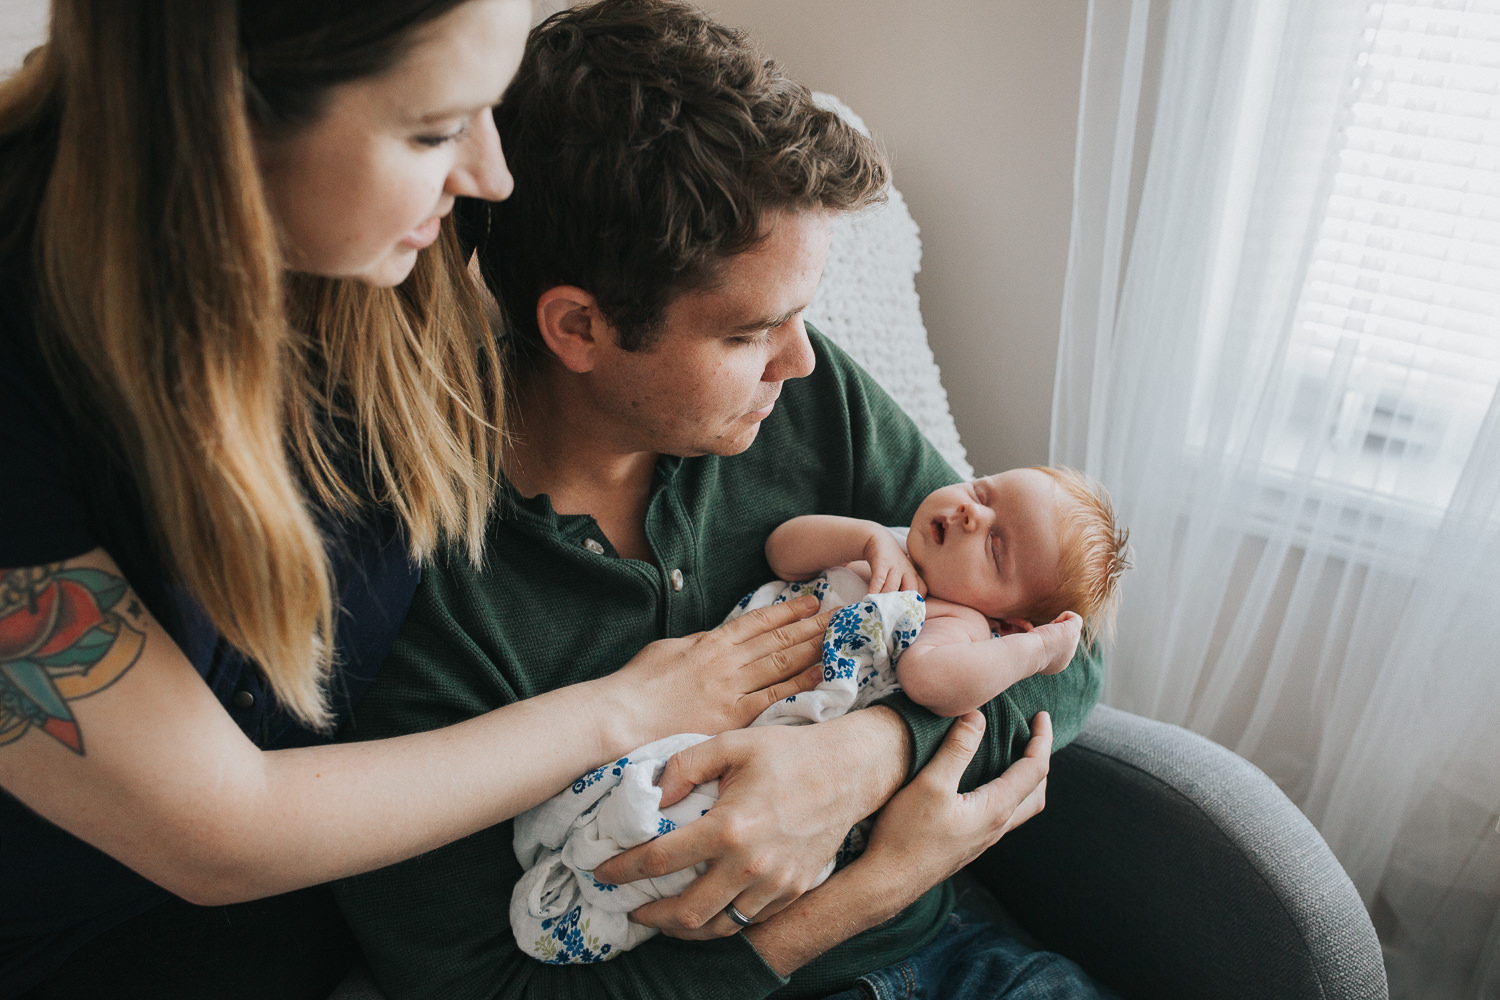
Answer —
(65, 490)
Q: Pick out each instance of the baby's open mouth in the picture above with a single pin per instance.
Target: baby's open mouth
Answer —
(938, 531)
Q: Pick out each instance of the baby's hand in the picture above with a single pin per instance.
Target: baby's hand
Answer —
(890, 569)
(1059, 641)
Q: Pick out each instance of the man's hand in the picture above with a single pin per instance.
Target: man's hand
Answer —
(787, 797)
(929, 830)
(890, 567)
(924, 834)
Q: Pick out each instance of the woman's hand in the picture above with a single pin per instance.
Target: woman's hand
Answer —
(929, 830)
(722, 679)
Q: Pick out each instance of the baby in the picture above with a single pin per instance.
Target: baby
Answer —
(1015, 567)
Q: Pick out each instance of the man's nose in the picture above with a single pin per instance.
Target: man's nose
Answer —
(794, 354)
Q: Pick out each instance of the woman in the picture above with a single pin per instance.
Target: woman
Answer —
(246, 387)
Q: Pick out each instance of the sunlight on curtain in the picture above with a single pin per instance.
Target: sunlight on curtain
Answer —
(1280, 349)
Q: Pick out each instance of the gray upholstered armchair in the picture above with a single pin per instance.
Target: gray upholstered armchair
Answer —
(1170, 867)
(1164, 864)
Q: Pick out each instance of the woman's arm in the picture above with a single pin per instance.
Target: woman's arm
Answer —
(804, 546)
(955, 665)
(119, 741)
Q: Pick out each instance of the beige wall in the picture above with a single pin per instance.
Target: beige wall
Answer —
(22, 25)
(976, 101)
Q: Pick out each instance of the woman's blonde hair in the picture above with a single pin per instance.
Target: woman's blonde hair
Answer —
(238, 392)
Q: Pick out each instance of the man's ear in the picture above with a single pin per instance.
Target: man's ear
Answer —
(572, 327)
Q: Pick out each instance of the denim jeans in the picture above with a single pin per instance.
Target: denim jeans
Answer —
(973, 958)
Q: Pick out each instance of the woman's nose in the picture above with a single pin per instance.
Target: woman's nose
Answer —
(482, 172)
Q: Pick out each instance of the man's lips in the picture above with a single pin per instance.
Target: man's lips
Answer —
(764, 411)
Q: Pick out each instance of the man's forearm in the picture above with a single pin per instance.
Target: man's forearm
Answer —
(883, 758)
(852, 901)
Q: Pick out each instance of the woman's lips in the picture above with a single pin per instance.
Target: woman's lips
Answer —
(424, 235)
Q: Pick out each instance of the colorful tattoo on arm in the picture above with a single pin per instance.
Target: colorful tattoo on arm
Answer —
(65, 633)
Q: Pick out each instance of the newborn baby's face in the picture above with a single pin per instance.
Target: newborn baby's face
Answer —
(991, 544)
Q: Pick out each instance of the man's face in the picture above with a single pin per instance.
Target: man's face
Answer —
(991, 544)
(714, 370)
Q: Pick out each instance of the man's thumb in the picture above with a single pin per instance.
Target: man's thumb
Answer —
(959, 747)
(687, 769)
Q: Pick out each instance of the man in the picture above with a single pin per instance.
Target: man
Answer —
(674, 197)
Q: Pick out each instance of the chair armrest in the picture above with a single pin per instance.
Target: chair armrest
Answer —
(1170, 867)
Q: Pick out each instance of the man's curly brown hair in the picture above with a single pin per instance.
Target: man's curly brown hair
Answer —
(648, 143)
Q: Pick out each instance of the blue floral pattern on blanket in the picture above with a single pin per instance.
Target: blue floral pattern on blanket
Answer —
(598, 774)
(559, 912)
(567, 941)
(867, 635)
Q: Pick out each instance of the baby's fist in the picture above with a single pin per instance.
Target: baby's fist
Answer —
(1060, 639)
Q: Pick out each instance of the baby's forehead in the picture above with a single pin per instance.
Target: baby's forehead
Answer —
(1034, 486)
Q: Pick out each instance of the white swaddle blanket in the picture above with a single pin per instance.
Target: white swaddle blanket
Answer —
(558, 912)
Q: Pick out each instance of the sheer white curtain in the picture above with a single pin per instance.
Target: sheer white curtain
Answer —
(1280, 348)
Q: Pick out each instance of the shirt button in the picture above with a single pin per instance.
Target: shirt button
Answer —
(244, 699)
(677, 579)
(594, 547)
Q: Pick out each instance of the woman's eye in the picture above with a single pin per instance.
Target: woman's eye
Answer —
(433, 141)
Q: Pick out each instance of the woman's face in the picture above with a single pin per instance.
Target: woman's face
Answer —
(358, 192)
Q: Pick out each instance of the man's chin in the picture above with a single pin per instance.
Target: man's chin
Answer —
(736, 442)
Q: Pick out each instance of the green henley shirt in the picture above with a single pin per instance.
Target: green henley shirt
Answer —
(554, 605)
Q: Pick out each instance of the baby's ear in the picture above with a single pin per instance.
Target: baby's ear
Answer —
(1011, 626)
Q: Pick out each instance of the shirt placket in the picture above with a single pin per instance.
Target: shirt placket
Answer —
(670, 534)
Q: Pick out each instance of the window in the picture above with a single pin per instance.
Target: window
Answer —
(1395, 351)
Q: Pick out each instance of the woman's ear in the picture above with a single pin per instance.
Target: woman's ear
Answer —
(572, 327)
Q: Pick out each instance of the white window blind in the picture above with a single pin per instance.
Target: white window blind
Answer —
(1394, 357)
